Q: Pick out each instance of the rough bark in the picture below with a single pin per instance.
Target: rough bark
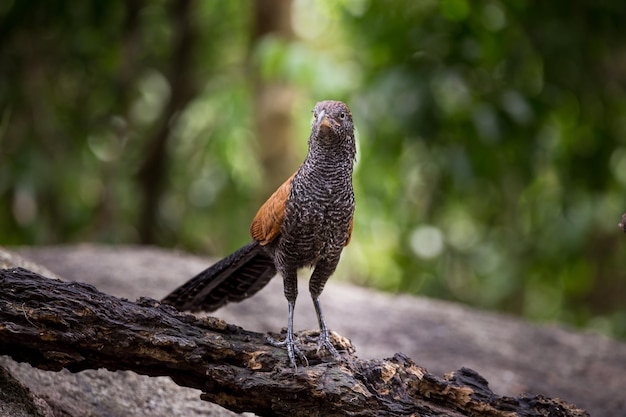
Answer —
(53, 324)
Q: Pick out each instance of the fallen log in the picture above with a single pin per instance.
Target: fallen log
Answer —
(53, 325)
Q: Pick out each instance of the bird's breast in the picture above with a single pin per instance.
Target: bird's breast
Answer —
(317, 221)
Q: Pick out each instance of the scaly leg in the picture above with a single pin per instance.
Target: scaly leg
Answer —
(324, 339)
(322, 272)
(290, 281)
(292, 349)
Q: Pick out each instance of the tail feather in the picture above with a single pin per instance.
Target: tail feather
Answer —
(236, 277)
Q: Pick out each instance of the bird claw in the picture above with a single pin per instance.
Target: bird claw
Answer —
(323, 342)
(292, 351)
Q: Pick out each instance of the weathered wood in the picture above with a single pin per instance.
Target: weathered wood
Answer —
(53, 325)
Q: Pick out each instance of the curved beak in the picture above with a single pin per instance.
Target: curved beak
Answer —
(323, 120)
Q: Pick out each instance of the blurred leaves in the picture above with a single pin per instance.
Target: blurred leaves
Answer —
(514, 113)
(492, 137)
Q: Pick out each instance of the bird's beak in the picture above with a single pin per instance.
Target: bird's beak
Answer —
(323, 121)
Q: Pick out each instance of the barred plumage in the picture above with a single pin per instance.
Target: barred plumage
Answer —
(306, 222)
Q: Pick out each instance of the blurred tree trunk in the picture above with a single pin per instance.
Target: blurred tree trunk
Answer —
(108, 210)
(153, 173)
(273, 99)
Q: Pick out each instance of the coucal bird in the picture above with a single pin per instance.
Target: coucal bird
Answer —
(306, 223)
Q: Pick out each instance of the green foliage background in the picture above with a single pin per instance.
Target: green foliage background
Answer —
(492, 136)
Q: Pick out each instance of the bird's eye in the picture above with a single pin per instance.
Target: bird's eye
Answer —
(342, 115)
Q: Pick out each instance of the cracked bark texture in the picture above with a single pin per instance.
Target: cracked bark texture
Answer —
(56, 325)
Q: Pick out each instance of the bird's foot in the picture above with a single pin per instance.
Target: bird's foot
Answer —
(292, 350)
(323, 342)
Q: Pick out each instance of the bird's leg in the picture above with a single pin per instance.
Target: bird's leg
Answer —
(324, 338)
(292, 349)
(322, 272)
(291, 293)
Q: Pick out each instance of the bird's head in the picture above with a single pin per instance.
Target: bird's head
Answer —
(332, 123)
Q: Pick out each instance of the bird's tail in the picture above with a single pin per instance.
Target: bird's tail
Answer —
(234, 278)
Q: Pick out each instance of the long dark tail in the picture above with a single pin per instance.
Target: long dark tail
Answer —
(234, 278)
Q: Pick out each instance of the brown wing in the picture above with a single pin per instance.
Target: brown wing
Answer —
(349, 232)
(266, 224)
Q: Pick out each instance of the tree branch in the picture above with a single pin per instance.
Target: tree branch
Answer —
(53, 324)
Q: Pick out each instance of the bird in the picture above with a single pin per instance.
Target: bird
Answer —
(306, 222)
